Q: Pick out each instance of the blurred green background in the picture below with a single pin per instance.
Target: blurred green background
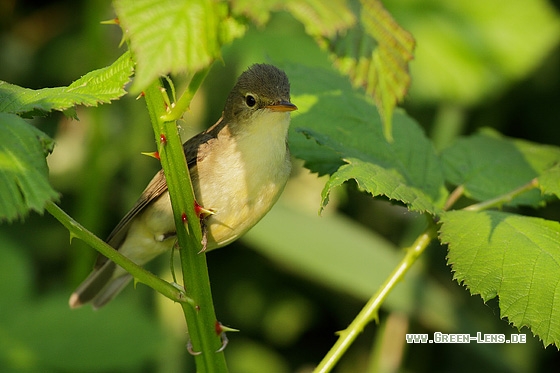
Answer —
(296, 278)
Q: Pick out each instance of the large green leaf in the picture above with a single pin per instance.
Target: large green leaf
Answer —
(98, 86)
(24, 183)
(488, 164)
(348, 130)
(513, 257)
(549, 181)
(181, 36)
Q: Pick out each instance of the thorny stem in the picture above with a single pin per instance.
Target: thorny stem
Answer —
(139, 273)
(370, 310)
(201, 319)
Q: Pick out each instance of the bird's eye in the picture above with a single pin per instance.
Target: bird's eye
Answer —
(250, 100)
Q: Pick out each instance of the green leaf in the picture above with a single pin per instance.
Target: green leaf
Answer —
(347, 127)
(256, 11)
(98, 86)
(375, 54)
(181, 36)
(483, 165)
(319, 18)
(516, 258)
(549, 181)
(24, 183)
(322, 19)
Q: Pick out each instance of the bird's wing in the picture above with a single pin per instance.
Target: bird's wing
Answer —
(157, 187)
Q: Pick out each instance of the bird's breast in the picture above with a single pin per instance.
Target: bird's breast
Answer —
(241, 177)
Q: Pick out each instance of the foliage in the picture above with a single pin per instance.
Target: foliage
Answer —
(24, 170)
(512, 257)
(346, 129)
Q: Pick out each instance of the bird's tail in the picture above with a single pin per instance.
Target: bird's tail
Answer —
(99, 287)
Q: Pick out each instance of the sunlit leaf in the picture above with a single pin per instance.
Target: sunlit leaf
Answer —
(375, 54)
(513, 257)
(549, 181)
(348, 129)
(96, 87)
(180, 36)
(322, 18)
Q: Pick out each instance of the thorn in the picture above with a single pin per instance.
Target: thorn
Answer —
(221, 331)
(190, 349)
(123, 38)
(221, 328)
(72, 236)
(163, 139)
(151, 154)
(142, 94)
(202, 212)
(114, 21)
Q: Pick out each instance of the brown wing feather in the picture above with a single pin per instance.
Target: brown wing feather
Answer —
(157, 187)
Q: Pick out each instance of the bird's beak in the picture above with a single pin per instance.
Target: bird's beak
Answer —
(282, 106)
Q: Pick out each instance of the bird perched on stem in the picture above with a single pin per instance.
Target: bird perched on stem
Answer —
(238, 168)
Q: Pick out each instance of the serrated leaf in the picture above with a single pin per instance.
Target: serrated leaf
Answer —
(181, 36)
(513, 257)
(375, 54)
(24, 183)
(348, 129)
(256, 11)
(483, 165)
(322, 18)
(549, 181)
(96, 87)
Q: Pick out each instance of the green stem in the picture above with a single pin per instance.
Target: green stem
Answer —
(370, 310)
(139, 273)
(504, 198)
(454, 197)
(183, 103)
(201, 318)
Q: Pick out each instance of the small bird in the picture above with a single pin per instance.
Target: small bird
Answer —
(238, 167)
